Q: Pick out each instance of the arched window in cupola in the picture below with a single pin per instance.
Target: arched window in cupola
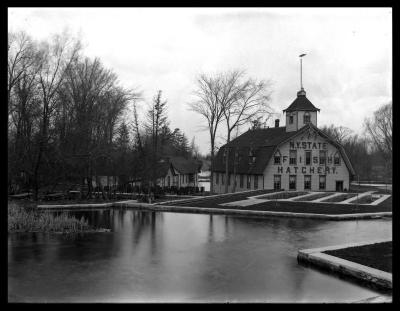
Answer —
(290, 118)
(306, 118)
(277, 157)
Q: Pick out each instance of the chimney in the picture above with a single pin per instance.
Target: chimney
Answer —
(276, 122)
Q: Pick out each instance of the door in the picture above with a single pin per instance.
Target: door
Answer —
(339, 185)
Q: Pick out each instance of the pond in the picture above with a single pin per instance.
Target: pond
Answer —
(170, 257)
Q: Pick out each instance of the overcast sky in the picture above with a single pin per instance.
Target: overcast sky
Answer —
(347, 72)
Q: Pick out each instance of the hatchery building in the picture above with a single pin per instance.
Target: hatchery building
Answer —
(297, 156)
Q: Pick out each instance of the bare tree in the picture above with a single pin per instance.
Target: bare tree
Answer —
(379, 129)
(339, 133)
(209, 106)
(244, 99)
(55, 59)
(21, 56)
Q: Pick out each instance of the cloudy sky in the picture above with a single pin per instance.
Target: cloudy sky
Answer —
(347, 72)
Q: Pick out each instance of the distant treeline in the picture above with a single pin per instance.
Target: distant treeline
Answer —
(69, 119)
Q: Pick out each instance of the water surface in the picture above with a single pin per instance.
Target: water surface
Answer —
(154, 257)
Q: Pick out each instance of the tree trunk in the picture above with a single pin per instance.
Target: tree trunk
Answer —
(39, 159)
(212, 167)
(234, 170)
(227, 163)
(226, 151)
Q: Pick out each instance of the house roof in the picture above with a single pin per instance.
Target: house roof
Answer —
(162, 168)
(301, 103)
(261, 144)
(261, 137)
(184, 166)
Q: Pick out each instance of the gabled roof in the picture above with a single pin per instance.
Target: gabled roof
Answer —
(162, 168)
(263, 143)
(261, 137)
(185, 166)
(301, 103)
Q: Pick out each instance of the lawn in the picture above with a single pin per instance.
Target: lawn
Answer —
(356, 188)
(287, 206)
(365, 200)
(214, 201)
(377, 256)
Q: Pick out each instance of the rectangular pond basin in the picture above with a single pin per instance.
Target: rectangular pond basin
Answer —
(368, 199)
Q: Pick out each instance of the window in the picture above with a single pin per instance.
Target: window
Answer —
(308, 157)
(241, 180)
(252, 156)
(217, 178)
(248, 181)
(277, 159)
(224, 155)
(229, 179)
(290, 119)
(191, 177)
(306, 118)
(277, 182)
(292, 182)
(222, 178)
(307, 182)
(255, 182)
(293, 157)
(322, 157)
(336, 159)
(322, 182)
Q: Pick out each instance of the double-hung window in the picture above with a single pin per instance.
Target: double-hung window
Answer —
(277, 182)
(322, 182)
(322, 157)
(307, 182)
(292, 182)
(308, 157)
(293, 157)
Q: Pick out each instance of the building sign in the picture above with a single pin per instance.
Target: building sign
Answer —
(308, 145)
(307, 170)
(314, 168)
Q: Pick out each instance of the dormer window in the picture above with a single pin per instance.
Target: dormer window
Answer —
(306, 118)
(252, 156)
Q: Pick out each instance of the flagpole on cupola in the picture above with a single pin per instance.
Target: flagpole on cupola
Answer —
(302, 92)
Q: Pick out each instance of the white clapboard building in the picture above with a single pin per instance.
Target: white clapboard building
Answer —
(297, 156)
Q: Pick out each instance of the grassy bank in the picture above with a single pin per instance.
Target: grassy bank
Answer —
(378, 256)
(288, 206)
(23, 219)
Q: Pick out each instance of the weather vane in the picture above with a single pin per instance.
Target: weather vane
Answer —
(301, 70)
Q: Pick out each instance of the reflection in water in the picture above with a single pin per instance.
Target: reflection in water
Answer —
(152, 256)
